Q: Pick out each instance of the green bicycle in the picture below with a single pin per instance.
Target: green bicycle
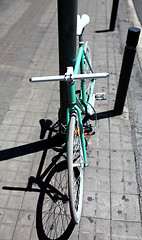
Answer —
(76, 126)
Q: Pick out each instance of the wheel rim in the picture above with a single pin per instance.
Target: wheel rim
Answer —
(75, 164)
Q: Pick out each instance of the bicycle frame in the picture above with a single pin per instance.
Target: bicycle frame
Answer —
(81, 106)
(75, 103)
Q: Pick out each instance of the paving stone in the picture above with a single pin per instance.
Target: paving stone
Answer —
(6, 231)
(22, 233)
(126, 230)
(90, 184)
(103, 185)
(14, 202)
(87, 224)
(25, 218)
(34, 234)
(29, 203)
(121, 209)
(29, 47)
(10, 216)
(3, 200)
(84, 235)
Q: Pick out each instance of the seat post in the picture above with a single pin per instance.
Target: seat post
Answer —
(81, 37)
(67, 23)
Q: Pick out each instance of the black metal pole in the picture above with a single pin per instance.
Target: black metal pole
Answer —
(113, 15)
(67, 22)
(126, 69)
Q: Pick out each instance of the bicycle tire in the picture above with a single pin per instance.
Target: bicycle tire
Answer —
(89, 85)
(75, 169)
(53, 219)
(87, 68)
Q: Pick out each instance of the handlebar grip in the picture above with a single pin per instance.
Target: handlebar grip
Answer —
(47, 78)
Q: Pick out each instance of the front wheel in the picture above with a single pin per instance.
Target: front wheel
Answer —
(75, 169)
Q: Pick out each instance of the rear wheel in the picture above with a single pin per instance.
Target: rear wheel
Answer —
(75, 169)
(87, 67)
(90, 123)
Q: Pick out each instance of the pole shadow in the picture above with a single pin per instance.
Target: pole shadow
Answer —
(103, 31)
(101, 115)
(53, 220)
(106, 114)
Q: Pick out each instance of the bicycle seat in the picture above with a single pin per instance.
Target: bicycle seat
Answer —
(82, 21)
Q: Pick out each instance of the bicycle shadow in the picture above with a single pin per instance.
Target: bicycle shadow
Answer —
(53, 220)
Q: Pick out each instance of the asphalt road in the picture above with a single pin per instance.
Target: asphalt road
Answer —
(138, 7)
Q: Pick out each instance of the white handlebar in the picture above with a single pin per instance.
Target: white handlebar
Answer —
(70, 77)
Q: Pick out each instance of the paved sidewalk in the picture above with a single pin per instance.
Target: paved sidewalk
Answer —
(29, 47)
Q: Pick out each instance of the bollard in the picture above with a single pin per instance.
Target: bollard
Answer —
(67, 23)
(126, 69)
(113, 15)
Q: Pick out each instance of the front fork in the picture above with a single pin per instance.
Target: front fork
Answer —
(73, 107)
(69, 112)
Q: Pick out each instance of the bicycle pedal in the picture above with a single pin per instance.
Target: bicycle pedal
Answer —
(100, 96)
(87, 130)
